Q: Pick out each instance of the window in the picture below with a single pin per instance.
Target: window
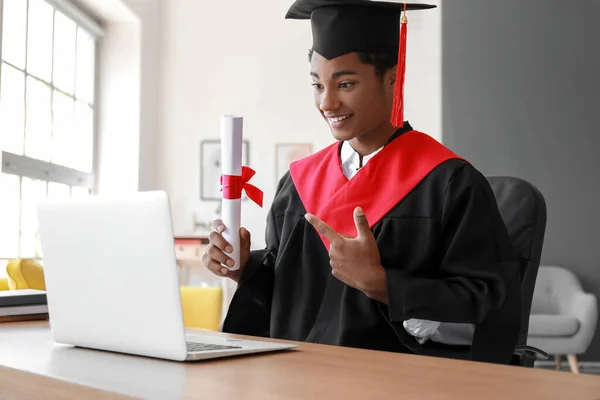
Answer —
(47, 113)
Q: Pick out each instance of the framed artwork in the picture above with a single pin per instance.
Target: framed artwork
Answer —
(210, 168)
(286, 153)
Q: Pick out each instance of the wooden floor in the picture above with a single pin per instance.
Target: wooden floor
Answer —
(586, 368)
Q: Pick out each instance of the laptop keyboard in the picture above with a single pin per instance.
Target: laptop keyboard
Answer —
(195, 346)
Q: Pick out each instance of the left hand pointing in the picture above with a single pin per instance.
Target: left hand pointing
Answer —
(355, 261)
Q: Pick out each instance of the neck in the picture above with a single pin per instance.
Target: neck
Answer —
(370, 142)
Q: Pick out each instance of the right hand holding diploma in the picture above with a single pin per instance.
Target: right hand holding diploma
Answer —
(215, 256)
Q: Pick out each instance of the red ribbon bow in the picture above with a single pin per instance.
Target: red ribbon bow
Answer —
(232, 186)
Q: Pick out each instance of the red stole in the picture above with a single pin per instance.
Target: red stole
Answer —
(377, 187)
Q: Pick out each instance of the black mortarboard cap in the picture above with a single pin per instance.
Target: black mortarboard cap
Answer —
(345, 26)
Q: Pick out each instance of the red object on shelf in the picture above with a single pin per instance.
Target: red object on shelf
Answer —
(190, 241)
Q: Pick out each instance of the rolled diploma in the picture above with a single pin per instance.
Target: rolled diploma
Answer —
(231, 161)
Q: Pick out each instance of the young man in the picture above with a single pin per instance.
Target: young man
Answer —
(385, 240)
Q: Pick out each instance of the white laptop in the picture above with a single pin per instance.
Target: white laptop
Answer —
(111, 280)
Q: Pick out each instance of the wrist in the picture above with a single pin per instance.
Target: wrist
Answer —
(376, 287)
(378, 296)
(377, 280)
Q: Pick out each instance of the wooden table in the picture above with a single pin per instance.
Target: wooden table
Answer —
(31, 365)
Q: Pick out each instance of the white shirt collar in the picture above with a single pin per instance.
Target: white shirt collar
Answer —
(351, 160)
(349, 153)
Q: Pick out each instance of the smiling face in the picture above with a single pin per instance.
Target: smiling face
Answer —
(353, 99)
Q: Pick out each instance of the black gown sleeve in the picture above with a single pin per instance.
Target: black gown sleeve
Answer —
(250, 308)
(477, 280)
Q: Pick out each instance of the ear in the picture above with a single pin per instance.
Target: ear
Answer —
(390, 79)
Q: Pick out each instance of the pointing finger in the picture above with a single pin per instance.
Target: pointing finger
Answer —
(332, 236)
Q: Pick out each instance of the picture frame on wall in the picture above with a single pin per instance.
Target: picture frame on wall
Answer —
(286, 153)
(211, 169)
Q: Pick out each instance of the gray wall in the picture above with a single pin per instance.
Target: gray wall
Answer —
(521, 97)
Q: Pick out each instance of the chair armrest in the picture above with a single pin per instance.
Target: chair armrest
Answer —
(586, 311)
(584, 307)
(530, 351)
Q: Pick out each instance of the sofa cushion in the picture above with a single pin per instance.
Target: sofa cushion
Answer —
(550, 325)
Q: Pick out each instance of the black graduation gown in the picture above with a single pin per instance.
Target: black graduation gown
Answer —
(447, 257)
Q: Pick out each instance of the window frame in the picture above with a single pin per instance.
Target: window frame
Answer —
(27, 167)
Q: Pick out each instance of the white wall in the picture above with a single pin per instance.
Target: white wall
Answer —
(118, 96)
(119, 104)
(238, 57)
(149, 14)
(130, 62)
(423, 97)
(525, 103)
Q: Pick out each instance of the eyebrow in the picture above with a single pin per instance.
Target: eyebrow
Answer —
(337, 74)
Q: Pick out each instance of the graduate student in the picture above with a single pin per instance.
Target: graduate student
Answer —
(386, 239)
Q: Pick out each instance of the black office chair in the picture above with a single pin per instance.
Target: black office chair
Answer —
(523, 210)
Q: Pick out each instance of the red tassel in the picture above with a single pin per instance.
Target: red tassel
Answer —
(397, 118)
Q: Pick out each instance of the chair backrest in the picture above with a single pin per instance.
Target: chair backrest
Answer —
(523, 210)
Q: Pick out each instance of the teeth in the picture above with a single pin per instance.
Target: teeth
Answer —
(338, 119)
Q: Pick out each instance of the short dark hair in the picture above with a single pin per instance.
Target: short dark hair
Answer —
(383, 59)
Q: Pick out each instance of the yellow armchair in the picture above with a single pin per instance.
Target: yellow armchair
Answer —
(25, 274)
(202, 307)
